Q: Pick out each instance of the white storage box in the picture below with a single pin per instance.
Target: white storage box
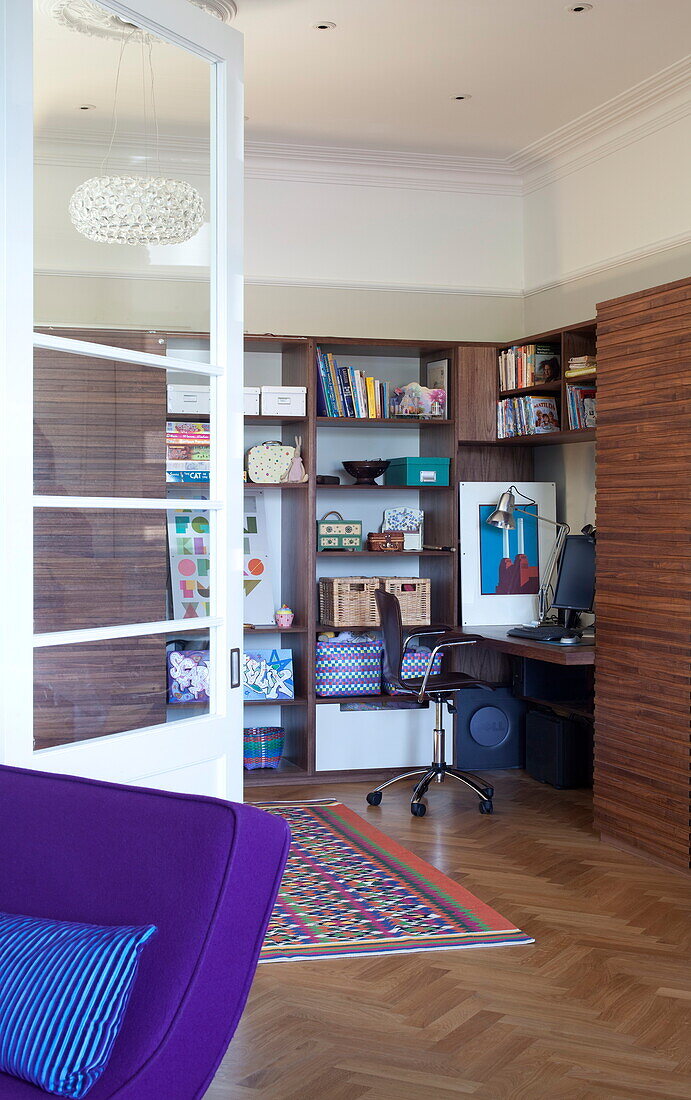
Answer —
(284, 400)
(189, 399)
(252, 400)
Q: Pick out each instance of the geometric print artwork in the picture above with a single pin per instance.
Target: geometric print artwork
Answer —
(256, 578)
(349, 890)
(188, 550)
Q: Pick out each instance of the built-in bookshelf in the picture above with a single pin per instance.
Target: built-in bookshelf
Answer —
(537, 394)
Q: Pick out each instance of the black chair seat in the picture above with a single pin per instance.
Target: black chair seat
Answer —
(444, 681)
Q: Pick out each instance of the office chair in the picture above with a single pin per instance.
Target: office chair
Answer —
(439, 689)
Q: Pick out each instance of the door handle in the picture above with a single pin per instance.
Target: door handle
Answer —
(235, 668)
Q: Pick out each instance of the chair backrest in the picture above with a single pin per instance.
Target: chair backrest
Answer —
(392, 636)
(205, 872)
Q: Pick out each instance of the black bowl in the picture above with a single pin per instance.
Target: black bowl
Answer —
(366, 471)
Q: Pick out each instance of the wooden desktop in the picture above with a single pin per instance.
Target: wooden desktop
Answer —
(495, 637)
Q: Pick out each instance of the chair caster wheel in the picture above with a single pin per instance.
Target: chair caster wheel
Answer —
(418, 809)
(488, 792)
(486, 806)
(374, 798)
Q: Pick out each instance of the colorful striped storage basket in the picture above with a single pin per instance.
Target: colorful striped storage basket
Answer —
(348, 668)
(415, 664)
(263, 747)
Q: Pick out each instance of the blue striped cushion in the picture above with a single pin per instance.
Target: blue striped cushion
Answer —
(64, 988)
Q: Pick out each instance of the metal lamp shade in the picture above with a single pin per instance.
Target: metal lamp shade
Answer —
(502, 516)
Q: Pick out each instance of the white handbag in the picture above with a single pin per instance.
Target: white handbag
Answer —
(269, 463)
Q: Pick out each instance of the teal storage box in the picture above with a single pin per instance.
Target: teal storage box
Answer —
(417, 471)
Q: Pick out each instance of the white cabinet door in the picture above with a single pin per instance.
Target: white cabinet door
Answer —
(127, 600)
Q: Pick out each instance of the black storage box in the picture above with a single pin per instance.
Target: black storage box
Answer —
(559, 750)
(489, 730)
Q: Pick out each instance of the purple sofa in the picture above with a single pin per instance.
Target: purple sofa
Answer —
(205, 872)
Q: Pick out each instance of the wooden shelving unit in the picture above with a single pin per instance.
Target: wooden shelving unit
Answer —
(573, 341)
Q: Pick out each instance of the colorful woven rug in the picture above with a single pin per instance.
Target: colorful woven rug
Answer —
(350, 890)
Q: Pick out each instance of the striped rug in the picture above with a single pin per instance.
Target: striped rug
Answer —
(350, 890)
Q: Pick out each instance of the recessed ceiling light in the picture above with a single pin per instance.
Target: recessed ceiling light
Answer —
(466, 96)
(579, 9)
(86, 107)
(324, 26)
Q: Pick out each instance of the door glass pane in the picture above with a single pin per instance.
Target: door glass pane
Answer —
(100, 428)
(122, 182)
(99, 567)
(93, 689)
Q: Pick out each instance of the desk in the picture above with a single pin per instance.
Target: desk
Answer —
(494, 637)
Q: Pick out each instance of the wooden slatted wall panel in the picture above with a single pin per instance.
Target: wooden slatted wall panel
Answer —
(643, 677)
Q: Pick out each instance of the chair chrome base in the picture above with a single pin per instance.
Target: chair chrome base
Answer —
(437, 773)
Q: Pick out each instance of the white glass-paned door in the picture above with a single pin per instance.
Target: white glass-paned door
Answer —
(124, 540)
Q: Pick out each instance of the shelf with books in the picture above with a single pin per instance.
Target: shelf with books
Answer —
(381, 422)
(550, 400)
(287, 485)
(547, 439)
(536, 388)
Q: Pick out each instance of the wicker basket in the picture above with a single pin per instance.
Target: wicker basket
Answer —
(348, 601)
(414, 596)
(263, 746)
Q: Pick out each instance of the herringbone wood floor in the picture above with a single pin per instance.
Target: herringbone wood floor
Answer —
(599, 1008)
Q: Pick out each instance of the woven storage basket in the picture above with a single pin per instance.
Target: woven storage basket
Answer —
(414, 596)
(414, 664)
(348, 601)
(263, 746)
(345, 668)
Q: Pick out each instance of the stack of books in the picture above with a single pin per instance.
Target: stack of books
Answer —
(187, 451)
(580, 365)
(345, 391)
(526, 416)
(528, 365)
(582, 406)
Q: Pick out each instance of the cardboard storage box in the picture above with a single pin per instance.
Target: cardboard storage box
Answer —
(284, 400)
(189, 399)
(251, 400)
(417, 471)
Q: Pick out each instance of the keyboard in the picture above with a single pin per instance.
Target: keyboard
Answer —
(550, 633)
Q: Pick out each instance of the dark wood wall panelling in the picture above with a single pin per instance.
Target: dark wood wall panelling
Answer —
(99, 431)
(643, 671)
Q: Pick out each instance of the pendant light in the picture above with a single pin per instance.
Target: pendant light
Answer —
(139, 210)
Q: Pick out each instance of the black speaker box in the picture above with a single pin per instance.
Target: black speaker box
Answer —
(489, 731)
(558, 750)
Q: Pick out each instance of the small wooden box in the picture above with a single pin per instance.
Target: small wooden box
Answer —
(389, 541)
(339, 533)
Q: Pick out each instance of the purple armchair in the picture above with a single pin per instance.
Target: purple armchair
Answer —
(205, 872)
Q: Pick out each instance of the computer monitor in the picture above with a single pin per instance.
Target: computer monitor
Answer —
(575, 588)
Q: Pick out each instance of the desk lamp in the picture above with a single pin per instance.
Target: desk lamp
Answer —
(503, 518)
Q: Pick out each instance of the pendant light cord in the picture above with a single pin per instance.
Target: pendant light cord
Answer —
(114, 115)
(153, 108)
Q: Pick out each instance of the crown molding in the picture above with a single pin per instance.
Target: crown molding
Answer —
(643, 109)
(630, 116)
(379, 168)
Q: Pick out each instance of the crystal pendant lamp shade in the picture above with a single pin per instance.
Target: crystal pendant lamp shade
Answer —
(132, 210)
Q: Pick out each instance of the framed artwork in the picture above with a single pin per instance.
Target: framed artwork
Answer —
(188, 676)
(188, 552)
(438, 375)
(256, 574)
(268, 674)
(501, 570)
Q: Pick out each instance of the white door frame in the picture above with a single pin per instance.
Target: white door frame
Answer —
(186, 26)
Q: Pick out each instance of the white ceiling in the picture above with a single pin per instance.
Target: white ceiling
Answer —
(385, 78)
